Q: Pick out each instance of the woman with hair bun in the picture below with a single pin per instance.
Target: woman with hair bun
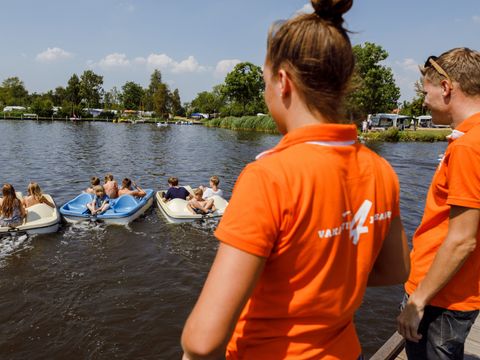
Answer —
(293, 265)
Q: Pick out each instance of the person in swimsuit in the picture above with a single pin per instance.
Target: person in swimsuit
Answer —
(12, 211)
(198, 205)
(35, 196)
(129, 187)
(111, 187)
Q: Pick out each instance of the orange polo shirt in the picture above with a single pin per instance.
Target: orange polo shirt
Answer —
(318, 207)
(456, 182)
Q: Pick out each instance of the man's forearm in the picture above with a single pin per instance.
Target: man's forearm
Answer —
(448, 261)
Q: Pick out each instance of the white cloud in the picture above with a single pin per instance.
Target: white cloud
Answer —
(114, 60)
(153, 61)
(225, 66)
(165, 62)
(476, 18)
(306, 9)
(188, 65)
(159, 60)
(53, 54)
(408, 64)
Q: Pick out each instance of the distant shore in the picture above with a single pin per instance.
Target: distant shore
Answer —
(265, 123)
(409, 135)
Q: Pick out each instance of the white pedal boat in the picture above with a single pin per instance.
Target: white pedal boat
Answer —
(41, 219)
(176, 211)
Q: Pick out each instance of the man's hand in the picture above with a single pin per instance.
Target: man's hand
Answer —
(409, 320)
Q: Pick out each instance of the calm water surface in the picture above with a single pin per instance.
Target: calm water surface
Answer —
(96, 292)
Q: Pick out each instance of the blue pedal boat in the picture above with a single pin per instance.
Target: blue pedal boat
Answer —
(122, 211)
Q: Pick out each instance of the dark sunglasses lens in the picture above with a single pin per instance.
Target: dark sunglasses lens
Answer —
(428, 63)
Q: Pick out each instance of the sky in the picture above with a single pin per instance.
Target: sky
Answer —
(196, 43)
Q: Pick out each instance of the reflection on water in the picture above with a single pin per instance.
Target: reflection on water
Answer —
(98, 292)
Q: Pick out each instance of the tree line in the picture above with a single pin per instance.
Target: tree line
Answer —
(86, 91)
(373, 90)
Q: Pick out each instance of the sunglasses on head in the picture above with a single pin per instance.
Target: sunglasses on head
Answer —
(431, 62)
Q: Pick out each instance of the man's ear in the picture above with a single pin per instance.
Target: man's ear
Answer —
(447, 87)
(284, 82)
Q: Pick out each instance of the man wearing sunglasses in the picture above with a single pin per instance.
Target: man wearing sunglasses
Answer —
(443, 289)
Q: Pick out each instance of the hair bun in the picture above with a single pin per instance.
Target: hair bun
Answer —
(331, 9)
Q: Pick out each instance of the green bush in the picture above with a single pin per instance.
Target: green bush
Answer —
(257, 123)
(395, 135)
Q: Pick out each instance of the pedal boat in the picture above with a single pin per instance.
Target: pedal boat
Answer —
(41, 219)
(122, 210)
(176, 211)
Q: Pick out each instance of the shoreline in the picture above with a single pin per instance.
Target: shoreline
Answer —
(265, 124)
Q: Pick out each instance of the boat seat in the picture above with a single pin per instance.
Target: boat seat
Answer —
(178, 206)
(125, 204)
(79, 204)
(39, 211)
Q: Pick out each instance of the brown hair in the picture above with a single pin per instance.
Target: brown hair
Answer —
(316, 52)
(126, 183)
(198, 191)
(214, 179)
(9, 200)
(34, 190)
(94, 181)
(99, 188)
(173, 181)
(108, 177)
(462, 66)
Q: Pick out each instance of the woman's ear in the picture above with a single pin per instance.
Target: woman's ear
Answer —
(284, 82)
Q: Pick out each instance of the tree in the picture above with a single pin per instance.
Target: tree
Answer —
(157, 96)
(244, 85)
(111, 99)
(59, 95)
(415, 107)
(374, 88)
(161, 101)
(204, 102)
(42, 106)
(13, 92)
(72, 91)
(176, 104)
(132, 94)
(91, 88)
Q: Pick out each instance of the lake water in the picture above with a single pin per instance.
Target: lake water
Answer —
(96, 292)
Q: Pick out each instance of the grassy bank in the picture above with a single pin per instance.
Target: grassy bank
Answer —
(252, 123)
(266, 124)
(395, 135)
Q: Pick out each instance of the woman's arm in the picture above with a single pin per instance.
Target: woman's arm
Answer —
(23, 212)
(139, 192)
(229, 284)
(392, 265)
(46, 201)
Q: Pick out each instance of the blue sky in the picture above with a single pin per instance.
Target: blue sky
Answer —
(195, 43)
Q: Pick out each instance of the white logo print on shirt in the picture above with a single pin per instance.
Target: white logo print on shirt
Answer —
(359, 220)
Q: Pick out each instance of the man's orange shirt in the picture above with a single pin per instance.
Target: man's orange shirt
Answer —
(456, 182)
(318, 206)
